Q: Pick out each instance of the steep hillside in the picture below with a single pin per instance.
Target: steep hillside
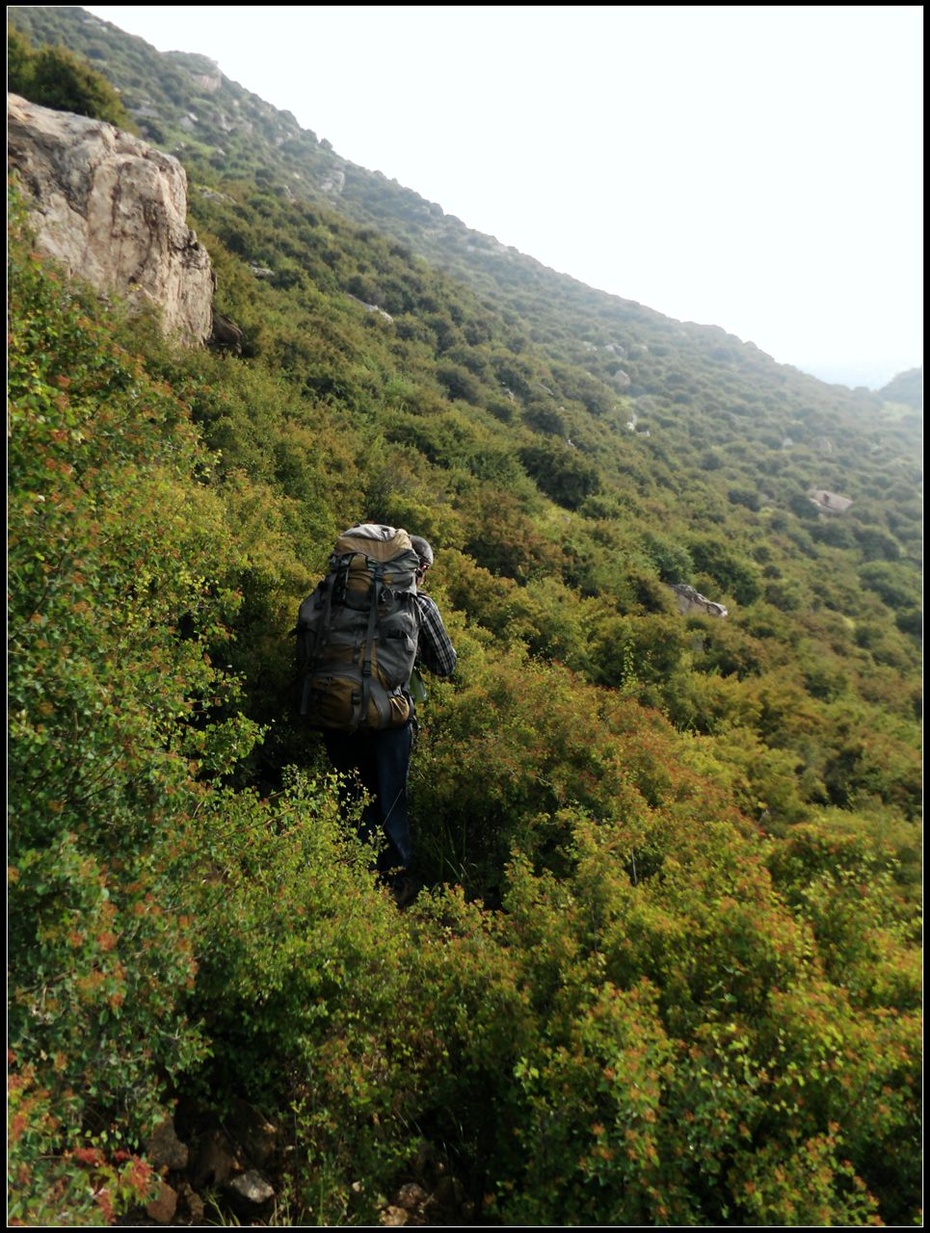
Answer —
(632, 359)
(182, 103)
(666, 965)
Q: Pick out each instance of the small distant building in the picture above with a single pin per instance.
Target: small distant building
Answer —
(829, 502)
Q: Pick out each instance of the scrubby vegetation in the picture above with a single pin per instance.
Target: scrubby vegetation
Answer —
(666, 967)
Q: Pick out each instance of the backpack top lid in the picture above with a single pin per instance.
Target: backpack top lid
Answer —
(381, 543)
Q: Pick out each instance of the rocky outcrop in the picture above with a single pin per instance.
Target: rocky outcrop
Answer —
(112, 210)
(226, 335)
(690, 601)
(829, 502)
(235, 1166)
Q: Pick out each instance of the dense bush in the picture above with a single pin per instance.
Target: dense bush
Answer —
(53, 77)
(115, 597)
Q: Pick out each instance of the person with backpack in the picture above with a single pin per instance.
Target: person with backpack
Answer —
(363, 636)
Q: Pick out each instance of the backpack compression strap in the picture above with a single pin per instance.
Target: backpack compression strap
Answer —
(377, 585)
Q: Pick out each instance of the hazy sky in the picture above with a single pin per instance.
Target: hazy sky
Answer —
(756, 167)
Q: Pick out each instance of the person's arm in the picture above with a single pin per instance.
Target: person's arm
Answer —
(435, 651)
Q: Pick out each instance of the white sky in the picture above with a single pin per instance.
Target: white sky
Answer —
(756, 167)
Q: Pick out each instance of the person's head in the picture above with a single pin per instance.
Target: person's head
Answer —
(423, 550)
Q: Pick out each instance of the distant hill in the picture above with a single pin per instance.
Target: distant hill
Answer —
(907, 388)
(183, 104)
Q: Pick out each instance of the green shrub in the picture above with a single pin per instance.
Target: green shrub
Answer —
(115, 597)
(54, 77)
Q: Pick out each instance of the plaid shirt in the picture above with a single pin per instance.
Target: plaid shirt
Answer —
(435, 650)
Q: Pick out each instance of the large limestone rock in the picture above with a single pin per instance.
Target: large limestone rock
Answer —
(690, 600)
(112, 210)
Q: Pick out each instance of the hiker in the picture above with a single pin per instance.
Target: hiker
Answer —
(380, 756)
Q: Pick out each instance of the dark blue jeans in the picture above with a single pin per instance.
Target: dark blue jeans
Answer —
(381, 760)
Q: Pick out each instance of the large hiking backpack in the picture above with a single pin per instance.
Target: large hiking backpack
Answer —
(357, 633)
